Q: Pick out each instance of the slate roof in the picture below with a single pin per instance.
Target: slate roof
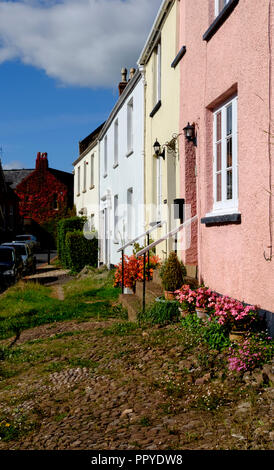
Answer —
(14, 177)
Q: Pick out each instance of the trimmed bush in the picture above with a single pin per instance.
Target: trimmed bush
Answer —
(172, 274)
(64, 226)
(80, 251)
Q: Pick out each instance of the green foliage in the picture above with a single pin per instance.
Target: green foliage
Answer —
(137, 247)
(121, 329)
(160, 313)
(80, 251)
(211, 332)
(216, 336)
(67, 225)
(163, 267)
(172, 273)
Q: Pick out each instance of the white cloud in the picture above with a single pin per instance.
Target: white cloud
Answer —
(77, 42)
(14, 165)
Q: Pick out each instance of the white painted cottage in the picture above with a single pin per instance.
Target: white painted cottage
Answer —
(86, 179)
(121, 147)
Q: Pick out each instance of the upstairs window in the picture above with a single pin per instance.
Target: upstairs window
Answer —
(92, 171)
(225, 157)
(130, 127)
(78, 180)
(85, 176)
(116, 148)
(105, 156)
(157, 75)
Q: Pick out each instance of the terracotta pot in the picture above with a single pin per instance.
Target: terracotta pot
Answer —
(169, 295)
(236, 336)
(201, 313)
(183, 312)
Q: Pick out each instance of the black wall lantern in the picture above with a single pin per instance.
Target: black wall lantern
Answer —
(157, 148)
(190, 134)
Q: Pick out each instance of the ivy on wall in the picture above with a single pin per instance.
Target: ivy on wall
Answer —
(42, 196)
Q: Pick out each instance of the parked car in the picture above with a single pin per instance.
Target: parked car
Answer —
(10, 266)
(25, 250)
(31, 239)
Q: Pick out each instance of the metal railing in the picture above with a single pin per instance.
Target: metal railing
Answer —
(153, 244)
(131, 242)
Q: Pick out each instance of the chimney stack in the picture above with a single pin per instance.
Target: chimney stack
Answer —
(132, 72)
(122, 85)
(41, 161)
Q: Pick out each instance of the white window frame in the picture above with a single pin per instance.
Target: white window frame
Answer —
(92, 171)
(105, 156)
(217, 7)
(226, 206)
(157, 74)
(116, 143)
(115, 217)
(85, 177)
(130, 214)
(78, 179)
(130, 127)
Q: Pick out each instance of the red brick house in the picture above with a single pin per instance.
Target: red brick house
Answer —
(44, 193)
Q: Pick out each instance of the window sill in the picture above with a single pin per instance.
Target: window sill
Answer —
(92, 186)
(178, 57)
(115, 165)
(225, 219)
(155, 109)
(221, 18)
(129, 153)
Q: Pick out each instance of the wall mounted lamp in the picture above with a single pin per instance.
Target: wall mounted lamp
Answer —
(157, 150)
(190, 134)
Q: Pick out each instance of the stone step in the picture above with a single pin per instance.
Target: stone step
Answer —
(153, 290)
(133, 305)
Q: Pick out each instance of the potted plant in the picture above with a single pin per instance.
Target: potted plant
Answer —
(172, 276)
(235, 316)
(200, 300)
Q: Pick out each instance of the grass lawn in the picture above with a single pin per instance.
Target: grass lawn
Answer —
(28, 305)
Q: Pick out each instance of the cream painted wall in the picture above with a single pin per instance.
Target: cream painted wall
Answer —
(163, 125)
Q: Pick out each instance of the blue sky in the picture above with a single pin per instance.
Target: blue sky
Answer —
(60, 65)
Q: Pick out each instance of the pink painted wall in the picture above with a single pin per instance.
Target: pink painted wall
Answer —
(231, 257)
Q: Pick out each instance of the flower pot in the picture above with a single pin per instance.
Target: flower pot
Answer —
(236, 336)
(201, 313)
(183, 312)
(169, 295)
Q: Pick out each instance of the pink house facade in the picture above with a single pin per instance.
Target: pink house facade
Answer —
(227, 174)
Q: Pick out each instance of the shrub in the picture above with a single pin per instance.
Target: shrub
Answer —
(160, 313)
(134, 270)
(256, 350)
(80, 251)
(172, 276)
(67, 225)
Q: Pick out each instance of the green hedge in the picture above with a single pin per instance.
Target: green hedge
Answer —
(64, 226)
(80, 251)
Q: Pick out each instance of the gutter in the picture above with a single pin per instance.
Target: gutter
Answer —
(155, 31)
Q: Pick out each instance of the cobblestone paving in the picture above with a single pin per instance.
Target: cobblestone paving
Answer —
(141, 390)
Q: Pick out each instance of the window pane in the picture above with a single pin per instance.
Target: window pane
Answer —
(219, 156)
(229, 120)
(229, 185)
(229, 152)
(219, 126)
(219, 187)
